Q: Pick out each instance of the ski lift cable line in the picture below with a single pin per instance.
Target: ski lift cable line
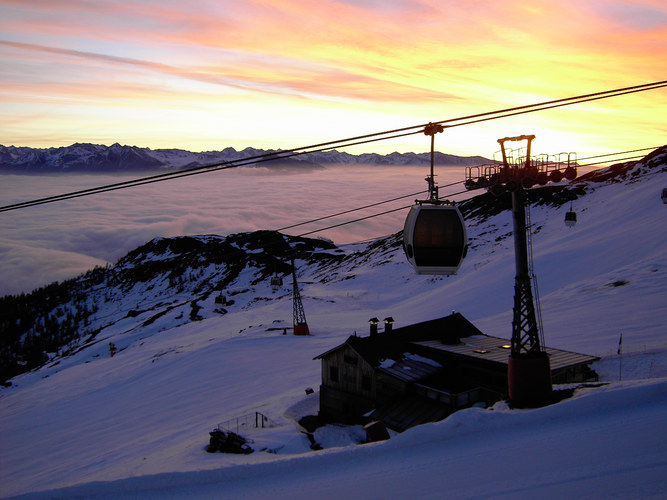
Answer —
(626, 158)
(204, 169)
(543, 108)
(619, 153)
(376, 215)
(171, 175)
(348, 211)
(361, 208)
(308, 149)
(441, 197)
(374, 137)
(239, 163)
(353, 221)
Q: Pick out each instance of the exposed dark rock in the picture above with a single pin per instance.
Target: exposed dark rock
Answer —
(227, 442)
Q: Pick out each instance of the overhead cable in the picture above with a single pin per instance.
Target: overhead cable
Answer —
(361, 208)
(361, 139)
(373, 215)
(352, 221)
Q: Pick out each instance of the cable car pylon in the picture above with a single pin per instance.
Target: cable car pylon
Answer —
(298, 315)
(529, 369)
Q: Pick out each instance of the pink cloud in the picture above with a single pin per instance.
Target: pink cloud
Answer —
(277, 77)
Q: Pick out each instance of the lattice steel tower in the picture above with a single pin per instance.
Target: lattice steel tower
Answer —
(298, 315)
(529, 370)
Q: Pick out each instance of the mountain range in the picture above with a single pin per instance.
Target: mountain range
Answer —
(92, 158)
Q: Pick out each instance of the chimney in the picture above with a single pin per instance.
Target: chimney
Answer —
(388, 324)
(374, 326)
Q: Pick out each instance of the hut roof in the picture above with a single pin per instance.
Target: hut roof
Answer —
(449, 329)
(497, 350)
(406, 412)
(452, 335)
(410, 367)
(373, 349)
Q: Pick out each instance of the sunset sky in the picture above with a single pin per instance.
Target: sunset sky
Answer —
(204, 75)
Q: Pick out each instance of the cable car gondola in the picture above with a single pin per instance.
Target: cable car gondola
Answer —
(276, 283)
(570, 217)
(435, 239)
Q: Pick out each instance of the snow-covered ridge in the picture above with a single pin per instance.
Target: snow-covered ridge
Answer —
(100, 158)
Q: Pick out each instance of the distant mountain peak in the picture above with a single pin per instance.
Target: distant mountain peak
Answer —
(85, 157)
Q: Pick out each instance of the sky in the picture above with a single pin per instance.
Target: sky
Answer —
(204, 75)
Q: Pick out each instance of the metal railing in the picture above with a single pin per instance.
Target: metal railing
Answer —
(542, 169)
(255, 420)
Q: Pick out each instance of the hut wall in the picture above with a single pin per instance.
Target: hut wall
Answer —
(343, 406)
(348, 384)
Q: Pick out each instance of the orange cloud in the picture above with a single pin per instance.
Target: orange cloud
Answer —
(408, 59)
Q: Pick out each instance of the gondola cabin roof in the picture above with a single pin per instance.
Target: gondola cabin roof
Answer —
(435, 239)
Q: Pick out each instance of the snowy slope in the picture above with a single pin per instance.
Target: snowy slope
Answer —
(135, 425)
(599, 445)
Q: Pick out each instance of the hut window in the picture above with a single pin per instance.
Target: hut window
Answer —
(481, 351)
(350, 360)
(333, 373)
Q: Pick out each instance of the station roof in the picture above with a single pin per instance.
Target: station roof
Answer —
(497, 350)
(406, 412)
(410, 368)
(449, 329)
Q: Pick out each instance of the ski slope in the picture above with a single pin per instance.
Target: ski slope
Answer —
(605, 443)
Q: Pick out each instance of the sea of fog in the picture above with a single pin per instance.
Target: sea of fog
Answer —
(56, 241)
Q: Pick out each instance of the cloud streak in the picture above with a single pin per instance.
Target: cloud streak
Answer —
(275, 77)
(153, 66)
